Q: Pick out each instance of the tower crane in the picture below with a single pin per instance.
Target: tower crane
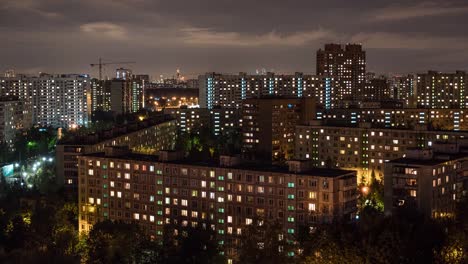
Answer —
(100, 64)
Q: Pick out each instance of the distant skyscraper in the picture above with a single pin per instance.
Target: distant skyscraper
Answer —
(442, 90)
(10, 73)
(346, 63)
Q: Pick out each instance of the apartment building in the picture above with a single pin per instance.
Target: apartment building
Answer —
(217, 119)
(429, 179)
(119, 96)
(148, 136)
(442, 90)
(155, 191)
(364, 149)
(228, 90)
(435, 119)
(347, 64)
(269, 126)
(57, 100)
(11, 119)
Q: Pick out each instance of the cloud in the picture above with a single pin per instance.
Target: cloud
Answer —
(415, 41)
(28, 6)
(107, 29)
(206, 36)
(417, 11)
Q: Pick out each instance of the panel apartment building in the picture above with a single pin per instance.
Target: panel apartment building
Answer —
(228, 90)
(429, 179)
(399, 118)
(148, 136)
(57, 100)
(364, 149)
(156, 191)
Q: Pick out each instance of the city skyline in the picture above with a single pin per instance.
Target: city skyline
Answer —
(201, 37)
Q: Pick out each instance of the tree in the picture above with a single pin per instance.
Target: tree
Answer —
(265, 242)
(191, 245)
(119, 242)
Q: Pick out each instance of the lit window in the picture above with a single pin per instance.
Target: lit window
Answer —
(311, 207)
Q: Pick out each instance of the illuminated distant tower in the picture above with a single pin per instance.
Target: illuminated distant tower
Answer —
(10, 73)
(123, 74)
(346, 63)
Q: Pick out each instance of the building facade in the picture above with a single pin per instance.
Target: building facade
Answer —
(347, 64)
(364, 149)
(228, 90)
(218, 120)
(442, 90)
(269, 126)
(11, 119)
(149, 136)
(400, 118)
(120, 96)
(158, 191)
(59, 100)
(428, 179)
(403, 88)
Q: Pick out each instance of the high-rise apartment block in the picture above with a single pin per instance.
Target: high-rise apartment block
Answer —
(428, 179)
(442, 90)
(269, 126)
(218, 120)
(347, 64)
(228, 91)
(404, 118)
(59, 100)
(227, 196)
(119, 96)
(364, 149)
(375, 89)
(403, 88)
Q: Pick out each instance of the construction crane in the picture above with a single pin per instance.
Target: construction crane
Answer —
(100, 64)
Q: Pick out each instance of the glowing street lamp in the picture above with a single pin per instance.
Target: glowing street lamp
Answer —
(365, 190)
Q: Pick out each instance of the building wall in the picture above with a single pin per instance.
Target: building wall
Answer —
(347, 63)
(442, 90)
(363, 149)
(54, 100)
(148, 140)
(436, 119)
(228, 90)
(155, 194)
(269, 126)
(431, 188)
(11, 120)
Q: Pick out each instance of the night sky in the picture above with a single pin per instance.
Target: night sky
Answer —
(64, 36)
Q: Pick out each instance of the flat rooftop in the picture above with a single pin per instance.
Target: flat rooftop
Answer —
(117, 131)
(249, 166)
(437, 159)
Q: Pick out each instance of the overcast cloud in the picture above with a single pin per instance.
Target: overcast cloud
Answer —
(229, 36)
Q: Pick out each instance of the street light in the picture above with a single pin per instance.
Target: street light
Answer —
(365, 190)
